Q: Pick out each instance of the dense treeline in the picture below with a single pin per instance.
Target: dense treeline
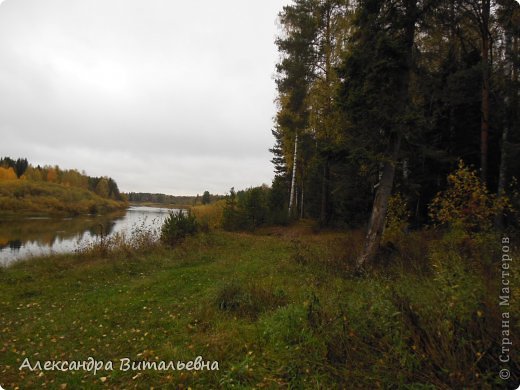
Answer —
(104, 187)
(25, 188)
(172, 199)
(159, 198)
(253, 207)
(383, 97)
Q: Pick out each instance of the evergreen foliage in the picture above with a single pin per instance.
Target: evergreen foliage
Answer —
(177, 226)
(254, 207)
(341, 88)
(206, 197)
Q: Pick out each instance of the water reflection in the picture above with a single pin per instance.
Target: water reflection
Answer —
(34, 236)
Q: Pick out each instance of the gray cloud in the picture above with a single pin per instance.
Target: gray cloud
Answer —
(164, 96)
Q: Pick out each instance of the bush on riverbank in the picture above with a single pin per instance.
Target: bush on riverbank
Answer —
(177, 226)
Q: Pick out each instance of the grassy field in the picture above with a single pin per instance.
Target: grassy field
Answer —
(279, 308)
(29, 197)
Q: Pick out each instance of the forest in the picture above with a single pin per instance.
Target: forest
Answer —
(379, 102)
(25, 188)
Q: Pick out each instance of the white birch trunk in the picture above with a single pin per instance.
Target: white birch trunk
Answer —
(293, 180)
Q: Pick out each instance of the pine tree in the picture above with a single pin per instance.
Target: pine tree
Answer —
(377, 98)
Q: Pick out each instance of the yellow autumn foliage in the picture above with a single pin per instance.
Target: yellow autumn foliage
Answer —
(466, 202)
(209, 215)
(396, 220)
(7, 174)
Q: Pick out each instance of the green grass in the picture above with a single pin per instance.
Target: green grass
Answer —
(29, 197)
(272, 310)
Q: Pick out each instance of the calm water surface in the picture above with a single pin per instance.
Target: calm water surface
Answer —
(23, 237)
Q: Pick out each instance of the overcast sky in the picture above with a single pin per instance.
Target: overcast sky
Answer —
(163, 96)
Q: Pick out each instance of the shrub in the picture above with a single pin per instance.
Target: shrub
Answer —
(177, 226)
(396, 218)
(513, 191)
(466, 202)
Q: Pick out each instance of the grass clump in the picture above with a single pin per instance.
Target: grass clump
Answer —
(249, 299)
(141, 239)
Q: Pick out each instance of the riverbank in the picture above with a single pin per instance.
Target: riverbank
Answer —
(24, 197)
(276, 309)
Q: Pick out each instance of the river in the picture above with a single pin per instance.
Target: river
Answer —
(24, 237)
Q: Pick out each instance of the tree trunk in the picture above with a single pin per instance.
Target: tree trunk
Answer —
(293, 180)
(379, 207)
(377, 219)
(499, 219)
(510, 110)
(484, 128)
(301, 206)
